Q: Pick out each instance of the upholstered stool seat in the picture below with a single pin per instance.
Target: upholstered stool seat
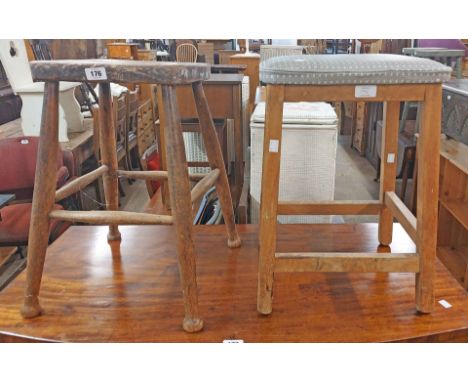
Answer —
(391, 79)
(352, 69)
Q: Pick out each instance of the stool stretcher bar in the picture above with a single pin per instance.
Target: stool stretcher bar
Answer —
(321, 93)
(153, 175)
(332, 207)
(401, 213)
(346, 262)
(80, 183)
(111, 217)
(204, 185)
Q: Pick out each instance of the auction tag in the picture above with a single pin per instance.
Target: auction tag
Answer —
(274, 145)
(391, 158)
(233, 341)
(365, 91)
(445, 304)
(96, 74)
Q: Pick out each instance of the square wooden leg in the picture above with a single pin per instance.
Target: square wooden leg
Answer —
(269, 196)
(388, 167)
(427, 196)
(43, 199)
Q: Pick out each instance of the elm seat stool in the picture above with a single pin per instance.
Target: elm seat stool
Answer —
(168, 76)
(370, 78)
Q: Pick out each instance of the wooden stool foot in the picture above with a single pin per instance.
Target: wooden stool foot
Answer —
(192, 325)
(423, 310)
(264, 308)
(31, 307)
(235, 243)
(114, 236)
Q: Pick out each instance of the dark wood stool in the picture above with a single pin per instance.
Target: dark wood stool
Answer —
(168, 76)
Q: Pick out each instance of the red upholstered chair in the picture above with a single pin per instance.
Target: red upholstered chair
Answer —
(17, 171)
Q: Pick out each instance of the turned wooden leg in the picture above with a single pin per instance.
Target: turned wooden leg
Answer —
(162, 151)
(388, 167)
(43, 199)
(269, 196)
(109, 155)
(179, 193)
(215, 158)
(428, 193)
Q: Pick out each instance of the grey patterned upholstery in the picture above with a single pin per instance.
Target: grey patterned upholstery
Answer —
(349, 69)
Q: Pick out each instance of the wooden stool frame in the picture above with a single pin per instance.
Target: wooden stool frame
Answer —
(422, 228)
(168, 77)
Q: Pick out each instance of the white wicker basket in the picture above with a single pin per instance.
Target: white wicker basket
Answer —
(308, 157)
(269, 51)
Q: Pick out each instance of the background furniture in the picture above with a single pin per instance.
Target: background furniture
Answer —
(307, 170)
(313, 46)
(455, 109)
(269, 51)
(225, 55)
(131, 131)
(10, 104)
(168, 76)
(147, 144)
(17, 169)
(197, 160)
(227, 96)
(186, 53)
(252, 60)
(452, 238)
(206, 49)
(16, 65)
(122, 50)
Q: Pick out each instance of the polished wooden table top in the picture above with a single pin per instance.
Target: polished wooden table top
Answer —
(90, 295)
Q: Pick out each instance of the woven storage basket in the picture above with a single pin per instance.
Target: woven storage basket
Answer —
(269, 51)
(308, 157)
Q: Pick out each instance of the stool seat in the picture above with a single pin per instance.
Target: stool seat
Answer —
(349, 69)
(121, 71)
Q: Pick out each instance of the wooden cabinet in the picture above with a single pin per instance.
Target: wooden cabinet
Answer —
(453, 209)
(124, 51)
(252, 60)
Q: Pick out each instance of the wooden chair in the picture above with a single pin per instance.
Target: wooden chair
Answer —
(168, 75)
(372, 77)
(186, 53)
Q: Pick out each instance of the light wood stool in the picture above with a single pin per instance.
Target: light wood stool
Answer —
(168, 76)
(369, 78)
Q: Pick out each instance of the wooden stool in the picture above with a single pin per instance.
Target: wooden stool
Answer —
(168, 76)
(369, 78)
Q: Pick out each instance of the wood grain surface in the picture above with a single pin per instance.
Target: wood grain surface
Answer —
(121, 71)
(92, 295)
